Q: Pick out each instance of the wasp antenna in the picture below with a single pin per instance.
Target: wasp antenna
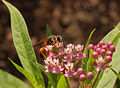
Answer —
(38, 43)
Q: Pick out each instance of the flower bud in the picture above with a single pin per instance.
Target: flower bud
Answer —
(104, 47)
(101, 43)
(90, 75)
(90, 46)
(112, 48)
(98, 50)
(95, 47)
(80, 71)
(102, 52)
(109, 53)
(82, 77)
(109, 44)
(95, 55)
(108, 59)
(98, 46)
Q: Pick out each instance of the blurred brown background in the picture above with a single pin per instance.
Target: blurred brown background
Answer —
(72, 19)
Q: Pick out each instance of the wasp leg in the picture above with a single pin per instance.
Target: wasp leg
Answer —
(45, 42)
(38, 43)
(41, 52)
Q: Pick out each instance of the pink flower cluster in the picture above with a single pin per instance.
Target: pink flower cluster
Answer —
(102, 54)
(61, 61)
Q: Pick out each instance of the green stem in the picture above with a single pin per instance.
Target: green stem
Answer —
(95, 79)
(67, 81)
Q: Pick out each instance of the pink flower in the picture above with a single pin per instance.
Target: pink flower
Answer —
(70, 46)
(58, 69)
(67, 50)
(55, 62)
(69, 66)
(52, 55)
(57, 66)
(79, 48)
(99, 67)
(80, 55)
(59, 45)
(49, 47)
(72, 54)
(69, 70)
(67, 59)
(60, 52)
(100, 61)
(100, 64)
(49, 68)
(48, 61)
(69, 73)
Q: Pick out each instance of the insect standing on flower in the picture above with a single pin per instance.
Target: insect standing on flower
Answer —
(51, 40)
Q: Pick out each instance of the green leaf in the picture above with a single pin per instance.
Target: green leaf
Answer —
(90, 62)
(115, 40)
(107, 79)
(84, 60)
(26, 74)
(53, 78)
(23, 43)
(112, 34)
(8, 80)
(48, 33)
(80, 87)
(62, 82)
(48, 74)
(118, 75)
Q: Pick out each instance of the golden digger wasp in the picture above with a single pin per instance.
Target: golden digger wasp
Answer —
(51, 40)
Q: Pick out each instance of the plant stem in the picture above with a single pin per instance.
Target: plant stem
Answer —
(76, 63)
(67, 81)
(81, 84)
(95, 79)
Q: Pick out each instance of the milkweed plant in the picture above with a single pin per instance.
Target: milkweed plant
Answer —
(96, 66)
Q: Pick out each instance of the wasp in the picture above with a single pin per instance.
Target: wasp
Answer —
(51, 40)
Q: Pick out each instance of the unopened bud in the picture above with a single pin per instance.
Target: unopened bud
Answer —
(95, 55)
(82, 77)
(90, 75)
(90, 46)
(101, 43)
(80, 71)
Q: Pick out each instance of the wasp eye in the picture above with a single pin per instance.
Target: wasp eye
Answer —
(58, 38)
